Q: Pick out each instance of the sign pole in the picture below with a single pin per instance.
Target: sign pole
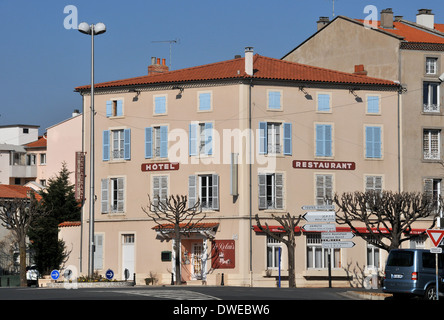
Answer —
(329, 268)
(437, 283)
(280, 266)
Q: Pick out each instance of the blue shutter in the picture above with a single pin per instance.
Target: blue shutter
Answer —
(163, 141)
(119, 111)
(127, 144)
(109, 108)
(287, 139)
(148, 143)
(274, 100)
(159, 105)
(204, 101)
(106, 145)
(323, 102)
(328, 140)
(373, 142)
(319, 140)
(323, 140)
(263, 138)
(373, 104)
(193, 139)
(208, 138)
(377, 142)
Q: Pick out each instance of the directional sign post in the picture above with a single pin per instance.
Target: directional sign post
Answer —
(319, 207)
(55, 274)
(320, 216)
(109, 274)
(327, 227)
(337, 235)
(436, 235)
(337, 244)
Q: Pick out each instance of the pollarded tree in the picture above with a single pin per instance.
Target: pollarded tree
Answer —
(388, 216)
(175, 211)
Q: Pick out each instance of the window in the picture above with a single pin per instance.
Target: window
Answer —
(204, 101)
(271, 191)
(98, 251)
(373, 255)
(113, 195)
(324, 189)
(373, 142)
(160, 188)
(116, 144)
(274, 100)
(431, 96)
(431, 145)
(31, 159)
(324, 102)
(114, 108)
(201, 139)
(324, 141)
(432, 188)
(270, 141)
(373, 183)
(373, 105)
(160, 105)
(273, 247)
(206, 188)
(317, 257)
(431, 65)
(43, 158)
(418, 242)
(156, 142)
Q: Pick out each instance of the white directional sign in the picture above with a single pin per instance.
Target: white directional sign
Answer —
(337, 244)
(319, 216)
(337, 235)
(320, 227)
(320, 207)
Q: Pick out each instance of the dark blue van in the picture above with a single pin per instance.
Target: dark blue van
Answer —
(412, 272)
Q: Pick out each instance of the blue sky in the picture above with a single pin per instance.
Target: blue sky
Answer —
(41, 62)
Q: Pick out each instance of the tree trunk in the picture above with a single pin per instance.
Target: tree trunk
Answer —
(177, 254)
(291, 264)
(22, 252)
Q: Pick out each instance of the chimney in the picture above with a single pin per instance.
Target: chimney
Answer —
(425, 18)
(387, 18)
(249, 60)
(359, 69)
(157, 67)
(322, 22)
(75, 113)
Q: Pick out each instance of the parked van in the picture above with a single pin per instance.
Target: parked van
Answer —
(412, 272)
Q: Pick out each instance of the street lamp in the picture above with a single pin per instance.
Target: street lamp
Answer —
(92, 30)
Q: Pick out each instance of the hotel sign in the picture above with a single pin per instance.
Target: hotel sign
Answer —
(160, 166)
(327, 165)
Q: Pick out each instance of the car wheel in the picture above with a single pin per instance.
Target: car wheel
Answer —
(430, 293)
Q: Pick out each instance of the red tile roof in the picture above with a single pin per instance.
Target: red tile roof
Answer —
(69, 224)
(16, 192)
(412, 33)
(265, 68)
(40, 143)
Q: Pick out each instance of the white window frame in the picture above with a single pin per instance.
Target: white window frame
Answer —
(317, 257)
(431, 65)
(272, 251)
(112, 199)
(429, 106)
(118, 144)
(274, 198)
(432, 137)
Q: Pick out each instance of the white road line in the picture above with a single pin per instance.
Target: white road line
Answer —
(169, 294)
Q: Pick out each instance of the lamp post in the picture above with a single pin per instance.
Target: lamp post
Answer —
(92, 30)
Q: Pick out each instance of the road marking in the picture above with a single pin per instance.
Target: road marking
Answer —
(169, 294)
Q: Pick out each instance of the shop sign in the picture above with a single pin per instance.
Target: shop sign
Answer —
(160, 166)
(223, 254)
(328, 165)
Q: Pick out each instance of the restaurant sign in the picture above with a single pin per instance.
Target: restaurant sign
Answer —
(160, 166)
(327, 165)
(223, 254)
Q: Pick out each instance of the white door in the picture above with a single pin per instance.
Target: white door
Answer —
(197, 264)
(128, 255)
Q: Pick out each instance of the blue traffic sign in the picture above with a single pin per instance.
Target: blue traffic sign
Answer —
(55, 274)
(109, 274)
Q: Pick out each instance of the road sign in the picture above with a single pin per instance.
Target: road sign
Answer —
(435, 235)
(319, 216)
(436, 250)
(337, 244)
(55, 274)
(109, 274)
(320, 227)
(320, 207)
(337, 235)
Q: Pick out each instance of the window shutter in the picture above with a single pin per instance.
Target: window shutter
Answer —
(159, 105)
(279, 191)
(105, 201)
(208, 138)
(119, 111)
(274, 100)
(120, 195)
(164, 142)
(287, 139)
(204, 101)
(428, 187)
(127, 144)
(262, 191)
(109, 108)
(98, 251)
(193, 139)
(215, 195)
(163, 188)
(106, 145)
(263, 138)
(373, 104)
(323, 140)
(377, 142)
(373, 142)
(148, 143)
(192, 190)
(323, 102)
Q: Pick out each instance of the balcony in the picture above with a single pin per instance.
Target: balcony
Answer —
(23, 171)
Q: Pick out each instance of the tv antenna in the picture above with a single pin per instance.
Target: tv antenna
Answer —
(171, 43)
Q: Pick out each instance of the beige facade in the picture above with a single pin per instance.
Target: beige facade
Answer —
(310, 139)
